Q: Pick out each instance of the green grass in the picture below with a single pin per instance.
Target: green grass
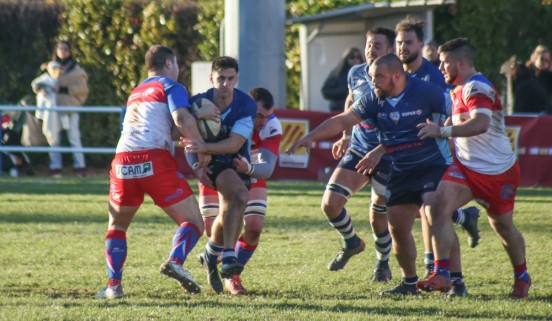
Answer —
(52, 262)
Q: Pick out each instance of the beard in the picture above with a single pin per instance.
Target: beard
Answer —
(384, 93)
(450, 78)
(410, 58)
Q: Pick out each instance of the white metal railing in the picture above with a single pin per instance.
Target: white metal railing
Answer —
(47, 149)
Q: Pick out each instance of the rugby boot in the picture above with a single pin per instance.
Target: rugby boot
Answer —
(471, 216)
(341, 259)
(175, 271)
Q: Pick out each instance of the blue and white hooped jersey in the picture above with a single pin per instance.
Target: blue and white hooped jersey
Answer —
(396, 119)
(363, 138)
(237, 118)
(148, 121)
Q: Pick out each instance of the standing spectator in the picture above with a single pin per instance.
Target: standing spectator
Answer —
(430, 52)
(72, 90)
(335, 86)
(485, 167)
(529, 94)
(158, 110)
(539, 63)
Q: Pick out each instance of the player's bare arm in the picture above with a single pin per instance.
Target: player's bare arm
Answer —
(231, 145)
(340, 147)
(327, 129)
(185, 125)
(478, 124)
(208, 112)
(367, 164)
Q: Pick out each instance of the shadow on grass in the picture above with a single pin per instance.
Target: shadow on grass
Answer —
(358, 305)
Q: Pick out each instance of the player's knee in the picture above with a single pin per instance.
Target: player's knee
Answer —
(335, 197)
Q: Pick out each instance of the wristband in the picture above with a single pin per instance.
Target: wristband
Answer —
(446, 131)
(251, 170)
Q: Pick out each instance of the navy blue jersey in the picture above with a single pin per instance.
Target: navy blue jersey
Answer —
(396, 119)
(428, 72)
(236, 118)
(363, 138)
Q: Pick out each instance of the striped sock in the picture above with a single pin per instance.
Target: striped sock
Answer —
(184, 240)
(115, 252)
(244, 251)
(383, 248)
(343, 224)
(458, 217)
(429, 260)
(212, 252)
(229, 256)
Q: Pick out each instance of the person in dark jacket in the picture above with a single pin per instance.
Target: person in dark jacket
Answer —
(335, 86)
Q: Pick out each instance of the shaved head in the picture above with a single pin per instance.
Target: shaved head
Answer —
(391, 61)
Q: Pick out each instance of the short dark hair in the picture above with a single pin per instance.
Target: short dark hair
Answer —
(459, 48)
(411, 24)
(388, 33)
(263, 95)
(392, 62)
(156, 57)
(224, 62)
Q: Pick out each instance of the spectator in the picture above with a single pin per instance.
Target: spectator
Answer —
(539, 63)
(72, 90)
(530, 96)
(335, 86)
(430, 52)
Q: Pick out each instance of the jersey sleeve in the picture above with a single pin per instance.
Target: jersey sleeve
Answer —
(364, 107)
(478, 97)
(177, 97)
(244, 125)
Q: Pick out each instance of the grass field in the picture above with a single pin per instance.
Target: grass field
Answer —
(52, 262)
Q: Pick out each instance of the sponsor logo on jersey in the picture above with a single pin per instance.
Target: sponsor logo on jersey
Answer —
(412, 113)
(395, 116)
(176, 194)
(134, 170)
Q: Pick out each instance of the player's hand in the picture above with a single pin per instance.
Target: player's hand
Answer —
(203, 160)
(241, 165)
(340, 147)
(202, 175)
(209, 112)
(304, 142)
(367, 164)
(192, 145)
(429, 130)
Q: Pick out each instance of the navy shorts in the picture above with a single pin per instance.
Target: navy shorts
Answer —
(380, 173)
(220, 163)
(409, 186)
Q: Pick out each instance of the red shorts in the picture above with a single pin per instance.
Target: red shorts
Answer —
(206, 191)
(496, 193)
(153, 172)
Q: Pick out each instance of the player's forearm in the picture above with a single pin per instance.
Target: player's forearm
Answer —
(472, 127)
(330, 127)
(265, 168)
(230, 145)
(185, 125)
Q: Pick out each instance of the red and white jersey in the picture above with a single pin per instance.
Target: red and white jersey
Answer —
(269, 138)
(148, 121)
(491, 152)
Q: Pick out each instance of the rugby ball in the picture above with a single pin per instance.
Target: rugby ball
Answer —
(209, 129)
